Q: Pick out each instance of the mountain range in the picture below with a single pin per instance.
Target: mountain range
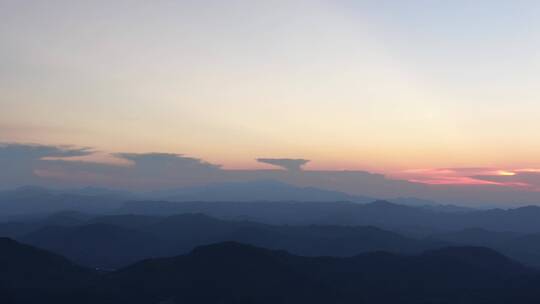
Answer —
(31, 200)
(232, 272)
(108, 242)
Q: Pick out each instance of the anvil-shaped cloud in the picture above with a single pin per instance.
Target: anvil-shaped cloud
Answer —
(285, 163)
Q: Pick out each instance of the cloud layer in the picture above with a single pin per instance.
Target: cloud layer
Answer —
(18, 162)
(526, 178)
(517, 178)
(66, 166)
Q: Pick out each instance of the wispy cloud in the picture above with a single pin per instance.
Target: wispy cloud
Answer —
(526, 178)
(523, 178)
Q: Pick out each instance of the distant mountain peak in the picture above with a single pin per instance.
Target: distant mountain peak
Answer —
(256, 190)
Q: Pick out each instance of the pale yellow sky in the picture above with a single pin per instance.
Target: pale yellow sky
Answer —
(383, 86)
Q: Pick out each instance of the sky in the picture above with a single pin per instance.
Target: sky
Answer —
(429, 92)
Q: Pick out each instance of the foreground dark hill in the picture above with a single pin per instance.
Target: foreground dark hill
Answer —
(223, 273)
(115, 241)
(230, 273)
(23, 266)
(235, 273)
(31, 275)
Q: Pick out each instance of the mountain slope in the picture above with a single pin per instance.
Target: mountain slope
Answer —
(522, 247)
(231, 273)
(115, 241)
(23, 266)
(97, 245)
(236, 273)
(223, 273)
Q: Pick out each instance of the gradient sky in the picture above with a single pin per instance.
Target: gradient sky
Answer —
(387, 86)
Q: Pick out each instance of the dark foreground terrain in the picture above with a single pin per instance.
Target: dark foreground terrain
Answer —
(232, 272)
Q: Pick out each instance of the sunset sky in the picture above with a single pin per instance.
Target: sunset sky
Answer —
(425, 91)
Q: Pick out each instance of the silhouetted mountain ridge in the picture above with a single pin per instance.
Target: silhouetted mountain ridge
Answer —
(23, 266)
(380, 213)
(114, 241)
(232, 272)
(242, 273)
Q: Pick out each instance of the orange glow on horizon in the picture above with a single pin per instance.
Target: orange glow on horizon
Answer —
(469, 176)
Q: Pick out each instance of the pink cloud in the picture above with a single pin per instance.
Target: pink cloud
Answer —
(521, 178)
